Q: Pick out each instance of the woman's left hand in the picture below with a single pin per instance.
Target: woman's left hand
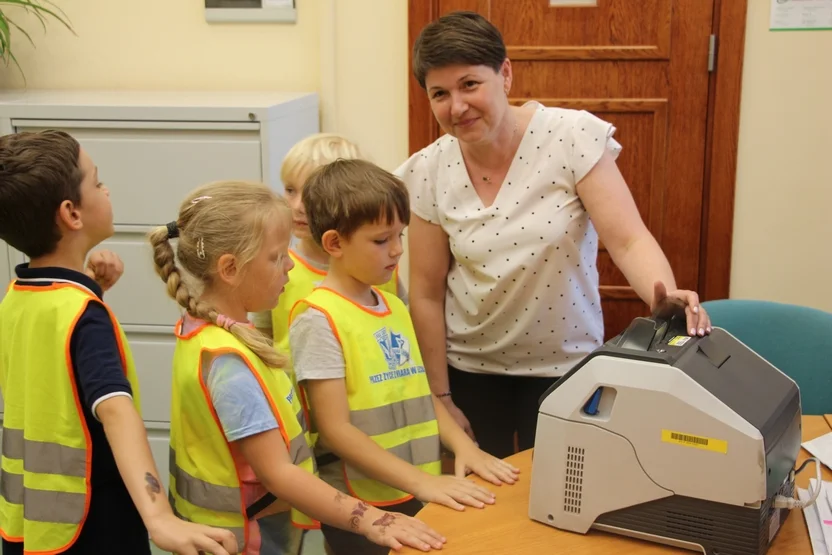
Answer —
(698, 321)
(486, 466)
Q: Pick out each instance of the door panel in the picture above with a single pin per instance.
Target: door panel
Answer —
(642, 65)
(532, 29)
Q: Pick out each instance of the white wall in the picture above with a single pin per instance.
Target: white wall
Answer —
(782, 247)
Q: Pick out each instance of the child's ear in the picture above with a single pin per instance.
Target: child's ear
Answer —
(68, 217)
(331, 242)
(227, 269)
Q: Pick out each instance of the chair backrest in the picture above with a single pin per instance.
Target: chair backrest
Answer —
(795, 339)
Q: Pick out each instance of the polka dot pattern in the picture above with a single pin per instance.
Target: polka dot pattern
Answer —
(522, 292)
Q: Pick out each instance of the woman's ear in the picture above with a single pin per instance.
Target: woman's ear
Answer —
(227, 269)
(332, 243)
(506, 72)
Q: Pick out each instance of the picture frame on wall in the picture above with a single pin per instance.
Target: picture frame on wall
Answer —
(252, 11)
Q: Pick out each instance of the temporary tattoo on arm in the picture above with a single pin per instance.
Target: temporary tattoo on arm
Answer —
(340, 497)
(153, 486)
(357, 514)
(385, 521)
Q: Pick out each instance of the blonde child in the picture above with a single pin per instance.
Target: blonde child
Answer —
(77, 473)
(356, 354)
(238, 432)
(311, 261)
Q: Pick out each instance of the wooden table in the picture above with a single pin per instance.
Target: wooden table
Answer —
(506, 528)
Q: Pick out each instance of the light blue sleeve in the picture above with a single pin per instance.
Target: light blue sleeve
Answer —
(240, 403)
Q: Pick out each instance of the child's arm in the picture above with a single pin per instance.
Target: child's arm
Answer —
(319, 363)
(268, 457)
(128, 440)
(107, 394)
(466, 453)
(328, 399)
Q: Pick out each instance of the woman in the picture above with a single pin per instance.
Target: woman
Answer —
(508, 208)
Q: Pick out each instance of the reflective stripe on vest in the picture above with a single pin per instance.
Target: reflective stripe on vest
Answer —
(204, 480)
(387, 389)
(46, 457)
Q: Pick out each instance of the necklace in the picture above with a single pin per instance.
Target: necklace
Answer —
(486, 178)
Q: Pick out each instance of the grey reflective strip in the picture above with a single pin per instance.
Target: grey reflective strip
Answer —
(299, 450)
(302, 421)
(202, 494)
(51, 458)
(11, 487)
(239, 533)
(417, 451)
(395, 416)
(12, 443)
(40, 505)
(43, 457)
(54, 506)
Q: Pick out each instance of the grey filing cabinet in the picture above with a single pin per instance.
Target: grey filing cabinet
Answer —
(151, 149)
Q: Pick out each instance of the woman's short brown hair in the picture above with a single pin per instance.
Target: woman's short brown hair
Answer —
(458, 38)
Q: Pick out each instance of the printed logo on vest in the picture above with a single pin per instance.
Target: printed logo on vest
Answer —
(396, 350)
(394, 346)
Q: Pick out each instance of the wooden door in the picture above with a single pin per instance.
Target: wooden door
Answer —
(641, 65)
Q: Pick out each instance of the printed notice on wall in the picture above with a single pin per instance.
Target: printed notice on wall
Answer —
(801, 15)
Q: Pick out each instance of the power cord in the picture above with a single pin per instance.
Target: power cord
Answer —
(783, 502)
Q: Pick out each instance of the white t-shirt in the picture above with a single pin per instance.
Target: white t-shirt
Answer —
(522, 291)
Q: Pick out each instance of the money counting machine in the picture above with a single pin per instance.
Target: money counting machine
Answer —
(685, 441)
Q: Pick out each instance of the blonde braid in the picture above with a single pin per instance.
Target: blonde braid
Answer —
(164, 259)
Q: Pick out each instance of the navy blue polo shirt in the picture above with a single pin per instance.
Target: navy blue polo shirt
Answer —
(113, 524)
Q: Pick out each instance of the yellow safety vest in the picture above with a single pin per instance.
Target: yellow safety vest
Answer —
(204, 482)
(47, 452)
(387, 389)
(303, 279)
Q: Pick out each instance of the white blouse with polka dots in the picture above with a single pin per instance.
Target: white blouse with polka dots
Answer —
(522, 291)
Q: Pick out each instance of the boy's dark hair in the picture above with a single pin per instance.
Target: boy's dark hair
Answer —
(458, 38)
(346, 194)
(38, 171)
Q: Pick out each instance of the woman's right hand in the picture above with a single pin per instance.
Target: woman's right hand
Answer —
(459, 416)
(453, 492)
(395, 530)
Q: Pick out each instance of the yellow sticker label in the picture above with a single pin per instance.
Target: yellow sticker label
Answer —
(697, 442)
(679, 340)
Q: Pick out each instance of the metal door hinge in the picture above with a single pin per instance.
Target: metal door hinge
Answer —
(711, 53)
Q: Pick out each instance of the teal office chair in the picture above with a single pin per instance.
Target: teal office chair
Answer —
(795, 339)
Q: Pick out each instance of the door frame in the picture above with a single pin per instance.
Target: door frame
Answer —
(721, 134)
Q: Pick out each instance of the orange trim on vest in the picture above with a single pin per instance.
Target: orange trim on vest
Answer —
(84, 426)
(302, 261)
(378, 294)
(210, 404)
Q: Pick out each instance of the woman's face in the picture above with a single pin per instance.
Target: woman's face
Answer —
(469, 102)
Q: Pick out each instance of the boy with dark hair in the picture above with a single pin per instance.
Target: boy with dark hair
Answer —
(356, 354)
(78, 476)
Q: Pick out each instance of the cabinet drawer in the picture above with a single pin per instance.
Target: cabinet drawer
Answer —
(140, 297)
(153, 354)
(149, 169)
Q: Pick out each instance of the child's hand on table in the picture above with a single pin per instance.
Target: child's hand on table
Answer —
(487, 467)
